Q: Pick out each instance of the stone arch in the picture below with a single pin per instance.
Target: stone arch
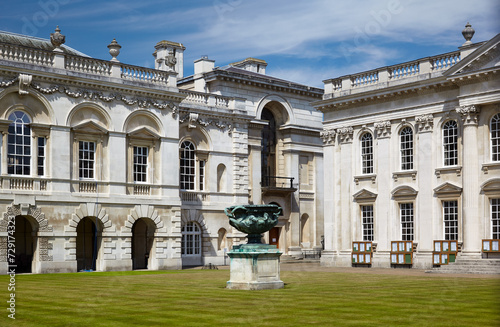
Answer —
(38, 221)
(188, 215)
(140, 119)
(90, 209)
(143, 211)
(279, 106)
(34, 103)
(89, 112)
(199, 136)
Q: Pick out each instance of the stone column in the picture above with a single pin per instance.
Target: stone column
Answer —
(470, 183)
(330, 213)
(424, 221)
(347, 220)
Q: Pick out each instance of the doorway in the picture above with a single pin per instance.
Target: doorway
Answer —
(88, 242)
(25, 245)
(274, 236)
(142, 242)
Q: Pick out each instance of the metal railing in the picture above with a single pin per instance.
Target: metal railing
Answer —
(277, 182)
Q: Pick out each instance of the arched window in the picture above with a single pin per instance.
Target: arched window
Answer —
(188, 166)
(406, 146)
(367, 153)
(19, 144)
(495, 138)
(191, 239)
(450, 143)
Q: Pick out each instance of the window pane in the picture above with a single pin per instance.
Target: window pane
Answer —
(406, 145)
(367, 222)
(86, 159)
(19, 144)
(367, 153)
(450, 218)
(495, 138)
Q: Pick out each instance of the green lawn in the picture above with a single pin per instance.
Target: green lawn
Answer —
(198, 298)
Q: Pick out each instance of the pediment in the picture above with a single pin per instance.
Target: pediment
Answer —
(404, 191)
(144, 133)
(364, 196)
(91, 127)
(485, 57)
(447, 189)
(491, 187)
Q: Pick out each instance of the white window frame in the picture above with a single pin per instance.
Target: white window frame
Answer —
(406, 145)
(192, 167)
(450, 219)
(366, 142)
(83, 160)
(495, 138)
(367, 222)
(22, 120)
(407, 218)
(140, 163)
(495, 218)
(450, 143)
(191, 239)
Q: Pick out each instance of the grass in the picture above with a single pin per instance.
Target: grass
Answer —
(198, 298)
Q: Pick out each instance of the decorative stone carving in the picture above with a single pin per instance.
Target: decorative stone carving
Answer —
(345, 134)
(424, 123)
(8, 83)
(57, 39)
(44, 246)
(24, 83)
(383, 129)
(26, 210)
(114, 50)
(170, 60)
(328, 136)
(192, 120)
(469, 114)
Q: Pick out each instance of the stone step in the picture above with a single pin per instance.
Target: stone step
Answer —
(469, 266)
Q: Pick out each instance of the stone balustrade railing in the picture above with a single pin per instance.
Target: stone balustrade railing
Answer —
(86, 65)
(392, 75)
(212, 100)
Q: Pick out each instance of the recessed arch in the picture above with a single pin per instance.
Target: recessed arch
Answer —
(280, 107)
(34, 104)
(89, 112)
(140, 119)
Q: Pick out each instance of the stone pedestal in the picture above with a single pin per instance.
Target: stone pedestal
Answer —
(254, 267)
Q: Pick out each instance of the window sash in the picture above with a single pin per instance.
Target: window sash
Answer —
(450, 218)
(140, 168)
(367, 222)
(450, 143)
(406, 144)
(187, 166)
(41, 156)
(191, 239)
(86, 159)
(19, 145)
(495, 138)
(367, 153)
(495, 218)
(407, 224)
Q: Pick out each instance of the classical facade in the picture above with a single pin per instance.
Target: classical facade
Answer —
(411, 153)
(109, 166)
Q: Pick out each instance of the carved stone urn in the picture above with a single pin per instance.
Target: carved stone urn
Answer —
(114, 50)
(253, 220)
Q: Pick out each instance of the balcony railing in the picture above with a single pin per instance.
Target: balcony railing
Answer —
(194, 197)
(278, 182)
(392, 75)
(23, 183)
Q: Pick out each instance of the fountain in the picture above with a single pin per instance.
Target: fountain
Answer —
(254, 266)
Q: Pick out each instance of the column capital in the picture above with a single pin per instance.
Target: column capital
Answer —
(345, 134)
(425, 123)
(469, 114)
(328, 136)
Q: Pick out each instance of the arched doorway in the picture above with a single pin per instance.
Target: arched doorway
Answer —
(88, 243)
(268, 153)
(142, 243)
(191, 246)
(24, 240)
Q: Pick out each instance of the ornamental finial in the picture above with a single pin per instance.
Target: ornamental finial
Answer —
(468, 33)
(114, 50)
(57, 39)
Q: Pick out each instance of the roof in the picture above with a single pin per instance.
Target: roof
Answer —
(34, 42)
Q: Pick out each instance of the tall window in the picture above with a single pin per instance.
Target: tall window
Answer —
(41, 156)
(367, 153)
(406, 144)
(86, 159)
(450, 143)
(495, 218)
(450, 217)
(191, 239)
(495, 138)
(140, 164)
(268, 152)
(188, 166)
(406, 213)
(202, 175)
(367, 218)
(19, 144)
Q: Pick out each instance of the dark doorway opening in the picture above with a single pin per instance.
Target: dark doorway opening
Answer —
(25, 245)
(87, 244)
(142, 242)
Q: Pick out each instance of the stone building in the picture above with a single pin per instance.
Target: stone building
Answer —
(110, 166)
(411, 152)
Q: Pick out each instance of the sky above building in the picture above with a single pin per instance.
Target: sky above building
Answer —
(302, 41)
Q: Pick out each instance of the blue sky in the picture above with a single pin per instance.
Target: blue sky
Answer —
(303, 41)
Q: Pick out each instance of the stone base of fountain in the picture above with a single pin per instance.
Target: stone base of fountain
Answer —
(254, 267)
